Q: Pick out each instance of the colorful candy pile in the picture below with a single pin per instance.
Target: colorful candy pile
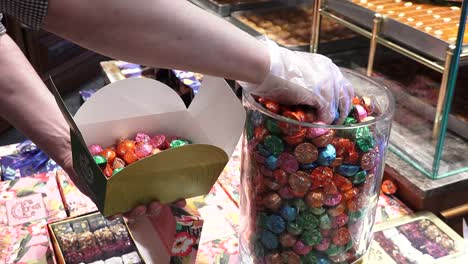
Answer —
(307, 189)
(114, 158)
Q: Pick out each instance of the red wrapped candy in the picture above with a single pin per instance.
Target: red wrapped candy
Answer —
(124, 146)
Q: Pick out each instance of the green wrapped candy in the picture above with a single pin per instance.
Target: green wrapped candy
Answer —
(300, 205)
(325, 222)
(250, 130)
(360, 177)
(273, 126)
(349, 121)
(310, 258)
(261, 220)
(116, 171)
(178, 143)
(308, 220)
(274, 144)
(259, 250)
(312, 237)
(354, 216)
(100, 161)
(334, 250)
(349, 246)
(317, 211)
(294, 228)
(364, 139)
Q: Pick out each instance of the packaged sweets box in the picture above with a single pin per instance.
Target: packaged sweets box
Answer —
(75, 202)
(93, 239)
(26, 204)
(214, 122)
(419, 238)
(172, 237)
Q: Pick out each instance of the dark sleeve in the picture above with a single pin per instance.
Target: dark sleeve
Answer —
(28, 12)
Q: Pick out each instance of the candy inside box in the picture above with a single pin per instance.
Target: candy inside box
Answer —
(213, 122)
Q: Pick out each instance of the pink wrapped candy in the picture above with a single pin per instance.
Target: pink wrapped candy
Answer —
(301, 248)
(142, 137)
(314, 132)
(143, 150)
(95, 149)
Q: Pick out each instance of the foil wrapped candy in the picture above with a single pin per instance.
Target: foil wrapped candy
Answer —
(27, 160)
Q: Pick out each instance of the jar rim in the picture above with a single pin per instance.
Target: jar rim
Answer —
(387, 115)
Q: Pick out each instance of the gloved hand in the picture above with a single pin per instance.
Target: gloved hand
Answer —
(307, 79)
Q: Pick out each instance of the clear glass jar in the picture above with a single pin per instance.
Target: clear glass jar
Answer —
(298, 205)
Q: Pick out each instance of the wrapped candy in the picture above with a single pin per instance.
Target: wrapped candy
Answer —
(307, 188)
(113, 159)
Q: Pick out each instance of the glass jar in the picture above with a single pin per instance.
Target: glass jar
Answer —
(309, 191)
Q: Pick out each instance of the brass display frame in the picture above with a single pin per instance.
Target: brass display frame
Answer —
(375, 38)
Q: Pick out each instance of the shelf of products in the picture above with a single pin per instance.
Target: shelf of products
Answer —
(425, 33)
(291, 26)
(427, 27)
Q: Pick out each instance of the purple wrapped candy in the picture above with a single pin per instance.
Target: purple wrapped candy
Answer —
(95, 149)
(340, 220)
(324, 245)
(288, 163)
(142, 137)
(302, 249)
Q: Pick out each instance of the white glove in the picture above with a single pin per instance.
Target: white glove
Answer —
(307, 79)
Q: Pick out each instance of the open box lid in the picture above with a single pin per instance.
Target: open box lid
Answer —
(214, 122)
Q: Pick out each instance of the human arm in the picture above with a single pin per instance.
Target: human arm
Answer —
(161, 33)
(177, 34)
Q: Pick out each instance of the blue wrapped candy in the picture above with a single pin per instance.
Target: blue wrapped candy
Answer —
(326, 155)
(288, 213)
(269, 240)
(272, 162)
(347, 170)
(275, 224)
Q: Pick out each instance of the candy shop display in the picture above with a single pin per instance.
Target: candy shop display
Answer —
(292, 27)
(309, 191)
(115, 158)
(94, 239)
(438, 21)
(418, 239)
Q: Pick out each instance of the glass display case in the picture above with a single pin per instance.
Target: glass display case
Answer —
(426, 133)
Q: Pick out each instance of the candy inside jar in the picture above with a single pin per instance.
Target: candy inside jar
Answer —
(115, 158)
(309, 190)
